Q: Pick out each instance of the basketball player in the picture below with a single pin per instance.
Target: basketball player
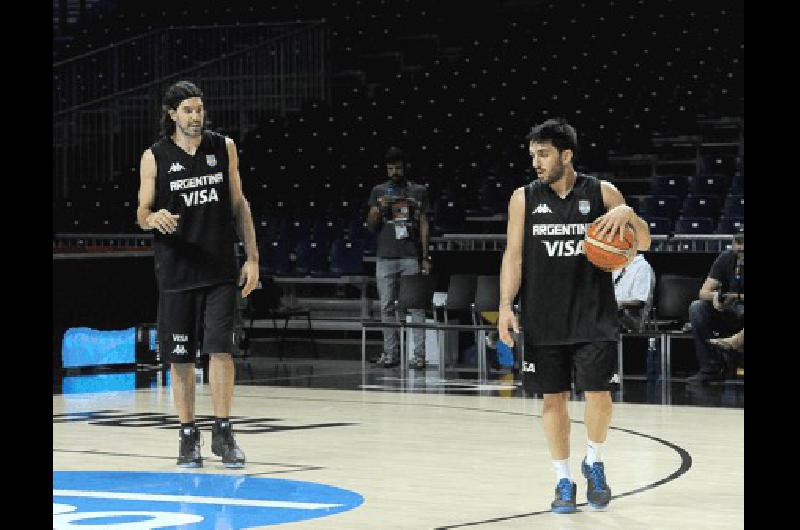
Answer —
(568, 307)
(191, 194)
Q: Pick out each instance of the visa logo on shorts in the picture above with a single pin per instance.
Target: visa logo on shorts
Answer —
(528, 367)
(178, 337)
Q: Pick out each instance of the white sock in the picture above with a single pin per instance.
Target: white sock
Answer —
(562, 469)
(594, 452)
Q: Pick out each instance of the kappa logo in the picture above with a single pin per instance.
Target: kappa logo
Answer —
(543, 208)
(176, 166)
(528, 367)
(180, 349)
(614, 379)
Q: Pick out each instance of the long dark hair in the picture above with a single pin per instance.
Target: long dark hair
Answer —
(172, 98)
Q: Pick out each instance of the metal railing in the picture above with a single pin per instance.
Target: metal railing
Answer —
(145, 58)
(473, 242)
(103, 140)
(660, 243)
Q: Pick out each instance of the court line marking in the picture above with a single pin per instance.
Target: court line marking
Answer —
(296, 467)
(686, 458)
(193, 499)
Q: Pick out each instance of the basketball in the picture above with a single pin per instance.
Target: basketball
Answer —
(610, 255)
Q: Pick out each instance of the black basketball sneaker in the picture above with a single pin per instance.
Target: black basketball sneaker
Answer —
(597, 491)
(189, 448)
(223, 445)
(565, 497)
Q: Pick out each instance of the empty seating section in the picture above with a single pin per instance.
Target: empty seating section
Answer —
(459, 98)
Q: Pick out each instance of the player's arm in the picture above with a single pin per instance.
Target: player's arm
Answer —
(146, 218)
(243, 221)
(618, 215)
(511, 269)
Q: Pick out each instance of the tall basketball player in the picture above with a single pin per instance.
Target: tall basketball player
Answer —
(567, 304)
(191, 194)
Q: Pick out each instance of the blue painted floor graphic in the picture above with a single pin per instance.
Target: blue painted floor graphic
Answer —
(121, 500)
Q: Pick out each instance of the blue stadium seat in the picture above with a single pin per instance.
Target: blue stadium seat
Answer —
(311, 258)
(449, 216)
(734, 206)
(709, 185)
(694, 225)
(737, 185)
(660, 225)
(730, 225)
(277, 257)
(297, 228)
(347, 257)
(701, 206)
(669, 185)
(660, 206)
(326, 230)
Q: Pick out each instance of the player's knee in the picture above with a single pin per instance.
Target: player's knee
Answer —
(554, 403)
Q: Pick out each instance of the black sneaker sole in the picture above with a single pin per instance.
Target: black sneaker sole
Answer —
(234, 465)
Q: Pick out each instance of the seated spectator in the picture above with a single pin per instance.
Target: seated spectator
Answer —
(634, 285)
(720, 309)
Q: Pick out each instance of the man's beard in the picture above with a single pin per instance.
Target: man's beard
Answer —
(191, 131)
(557, 174)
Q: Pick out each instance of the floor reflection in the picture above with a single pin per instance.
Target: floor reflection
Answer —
(347, 375)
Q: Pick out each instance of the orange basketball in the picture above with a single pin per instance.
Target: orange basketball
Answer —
(610, 255)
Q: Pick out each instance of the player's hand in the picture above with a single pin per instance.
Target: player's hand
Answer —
(614, 222)
(163, 221)
(248, 277)
(507, 320)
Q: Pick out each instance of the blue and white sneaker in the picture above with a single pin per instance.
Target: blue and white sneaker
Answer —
(565, 497)
(597, 491)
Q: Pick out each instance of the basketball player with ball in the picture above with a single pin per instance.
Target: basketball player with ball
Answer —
(556, 225)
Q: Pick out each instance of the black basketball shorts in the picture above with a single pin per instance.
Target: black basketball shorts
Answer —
(197, 318)
(550, 369)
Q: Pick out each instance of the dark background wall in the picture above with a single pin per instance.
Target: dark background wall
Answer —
(101, 293)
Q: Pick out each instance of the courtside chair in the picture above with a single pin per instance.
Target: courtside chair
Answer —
(415, 291)
(265, 302)
(487, 298)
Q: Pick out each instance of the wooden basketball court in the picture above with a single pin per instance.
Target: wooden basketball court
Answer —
(421, 451)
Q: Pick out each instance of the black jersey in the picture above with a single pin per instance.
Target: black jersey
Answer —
(565, 299)
(201, 251)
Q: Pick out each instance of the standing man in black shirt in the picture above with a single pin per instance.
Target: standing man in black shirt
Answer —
(568, 307)
(397, 213)
(191, 194)
(720, 308)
